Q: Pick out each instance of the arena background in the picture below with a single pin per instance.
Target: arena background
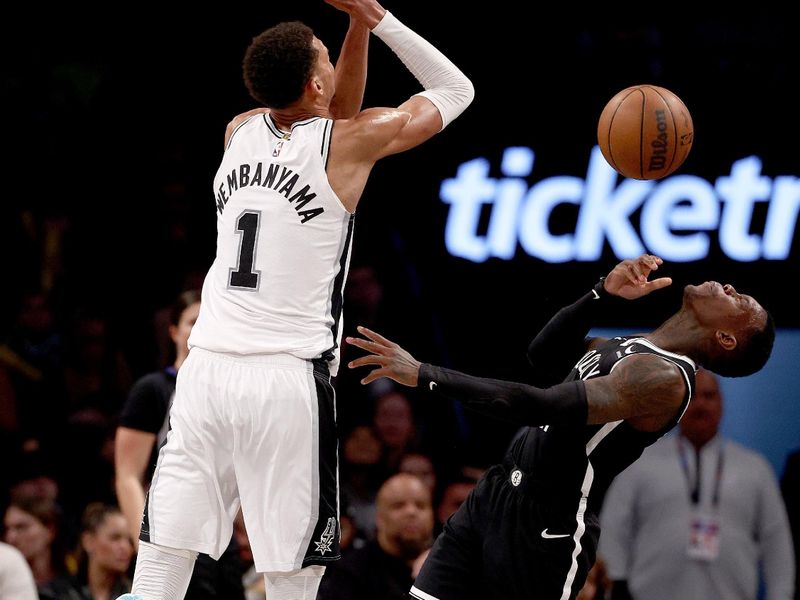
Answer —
(114, 122)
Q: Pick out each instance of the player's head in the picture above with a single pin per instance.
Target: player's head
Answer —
(739, 332)
(286, 61)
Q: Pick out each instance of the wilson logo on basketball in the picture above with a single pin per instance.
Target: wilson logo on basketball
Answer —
(658, 159)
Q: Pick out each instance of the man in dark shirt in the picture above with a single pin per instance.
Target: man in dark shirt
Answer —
(385, 567)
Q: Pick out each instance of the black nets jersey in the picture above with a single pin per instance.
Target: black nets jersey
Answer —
(578, 462)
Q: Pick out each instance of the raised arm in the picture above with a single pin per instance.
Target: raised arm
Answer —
(643, 387)
(446, 90)
(351, 71)
(554, 350)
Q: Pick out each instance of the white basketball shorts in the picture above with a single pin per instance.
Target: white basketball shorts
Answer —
(259, 431)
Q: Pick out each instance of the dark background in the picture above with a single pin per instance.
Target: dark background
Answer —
(114, 124)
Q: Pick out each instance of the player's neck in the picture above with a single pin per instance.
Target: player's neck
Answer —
(678, 334)
(284, 118)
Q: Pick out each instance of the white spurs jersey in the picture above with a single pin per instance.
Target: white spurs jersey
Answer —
(283, 246)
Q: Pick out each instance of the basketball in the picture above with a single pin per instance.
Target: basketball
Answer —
(645, 132)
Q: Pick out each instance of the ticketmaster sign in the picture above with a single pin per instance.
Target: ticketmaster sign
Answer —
(676, 212)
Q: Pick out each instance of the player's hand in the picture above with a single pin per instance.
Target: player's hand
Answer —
(369, 12)
(629, 279)
(392, 361)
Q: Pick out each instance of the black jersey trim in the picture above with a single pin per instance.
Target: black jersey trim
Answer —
(338, 288)
(325, 149)
(273, 127)
(323, 545)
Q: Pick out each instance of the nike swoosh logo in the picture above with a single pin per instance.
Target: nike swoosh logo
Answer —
(432, 385)
(596, 295)
(552, 536)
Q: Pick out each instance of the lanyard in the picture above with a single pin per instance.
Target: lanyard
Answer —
(694, 490)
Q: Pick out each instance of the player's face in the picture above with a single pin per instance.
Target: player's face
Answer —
(110, 546)
(722, 307)
(324, 70)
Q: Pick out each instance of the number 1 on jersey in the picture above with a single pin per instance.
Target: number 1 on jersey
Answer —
(245, 276)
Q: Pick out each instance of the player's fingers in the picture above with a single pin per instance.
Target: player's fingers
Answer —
(369, 359)
(374, 336)
(367, 345)
(373, 375)
(635, 274)
(653, 261)
(659, 283)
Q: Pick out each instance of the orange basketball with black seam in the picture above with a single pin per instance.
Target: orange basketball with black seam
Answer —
(645, 132)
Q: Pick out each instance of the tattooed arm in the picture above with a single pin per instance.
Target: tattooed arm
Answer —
(645, 389)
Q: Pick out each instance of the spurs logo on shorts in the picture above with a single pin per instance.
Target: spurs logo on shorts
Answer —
(326, 539)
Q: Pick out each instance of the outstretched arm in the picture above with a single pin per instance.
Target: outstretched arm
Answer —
(351, 71)
(553, 351)
(641, 386)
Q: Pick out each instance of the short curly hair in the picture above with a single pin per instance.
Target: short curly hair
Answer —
(278, 64)
(750, 355)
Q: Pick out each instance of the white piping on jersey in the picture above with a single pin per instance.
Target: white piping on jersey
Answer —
(652, 346)
(598, 437)
(418, 593)
(586, 487)
(566, 591)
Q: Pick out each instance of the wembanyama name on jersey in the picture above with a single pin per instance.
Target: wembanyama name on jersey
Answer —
(283, 246)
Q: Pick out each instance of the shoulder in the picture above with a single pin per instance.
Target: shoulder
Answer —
(157, 381)
(651, 371)
(742, 455)
(239, 120)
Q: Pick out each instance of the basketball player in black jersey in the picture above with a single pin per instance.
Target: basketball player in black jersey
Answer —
(530, 528)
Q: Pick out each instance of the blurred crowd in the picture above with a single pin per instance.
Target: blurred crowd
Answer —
(68, 371)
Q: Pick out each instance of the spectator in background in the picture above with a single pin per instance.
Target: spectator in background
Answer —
(696, 516)
(360, 479)
(144, 425)
(393, 421)
(421, 465)
(383, 568)
(790, 486)
(16, 579)
(32, 525)
(104, 558)
(453, 496)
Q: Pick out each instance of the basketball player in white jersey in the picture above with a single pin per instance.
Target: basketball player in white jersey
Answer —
(253, 420)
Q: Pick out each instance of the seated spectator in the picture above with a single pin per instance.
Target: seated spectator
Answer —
(394, 424)
(104, 558)
(32, 526)
(453, 497)
(383, 569)
(420, 465)
(360, 477)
